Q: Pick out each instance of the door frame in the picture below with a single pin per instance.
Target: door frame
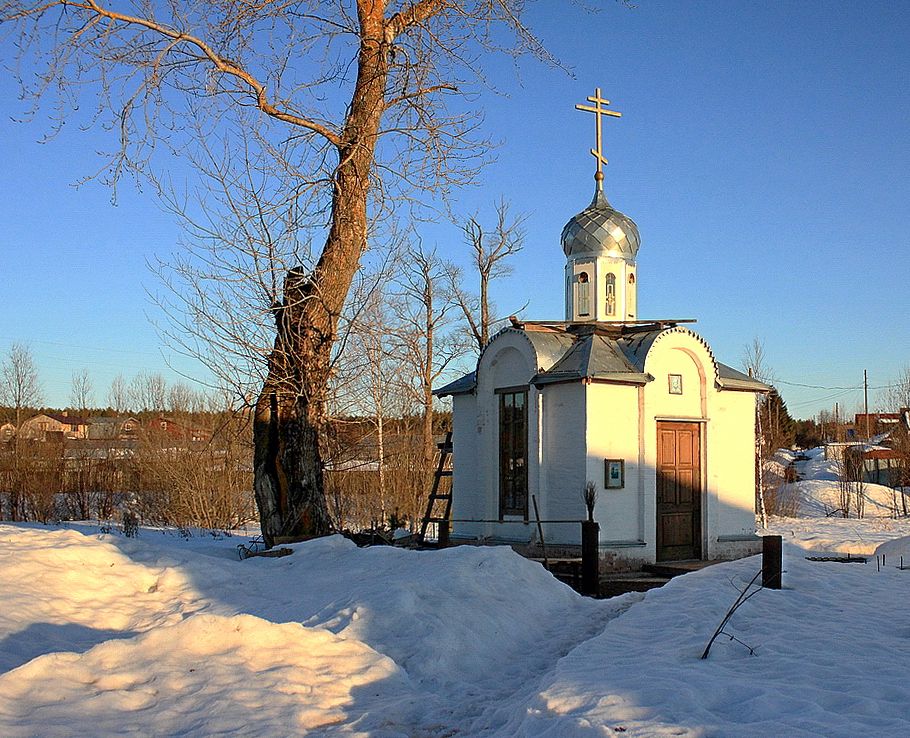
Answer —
(700, 488)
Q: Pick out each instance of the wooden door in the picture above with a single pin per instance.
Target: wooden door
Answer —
(678, 491)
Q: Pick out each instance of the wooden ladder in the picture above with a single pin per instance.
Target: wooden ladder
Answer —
(443, 471)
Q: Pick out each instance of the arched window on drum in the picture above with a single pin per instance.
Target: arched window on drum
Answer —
(611, 294)
(583, 295)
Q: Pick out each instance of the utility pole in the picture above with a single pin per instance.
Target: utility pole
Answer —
(836, 423)
(866, 402)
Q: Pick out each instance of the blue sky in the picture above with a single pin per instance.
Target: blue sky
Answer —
(763, 152)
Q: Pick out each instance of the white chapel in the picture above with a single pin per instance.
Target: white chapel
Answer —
(641, 409)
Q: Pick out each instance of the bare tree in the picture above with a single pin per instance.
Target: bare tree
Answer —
(82, 391)
(755, 362)
(148, 391)
(183, 399)
(375, 330)
(427, 309)
(859, 490)
(20, 389)
(755, 365)
(844, 488)
(490, 249)
(312, 88)
(118, 395)
(897, 394)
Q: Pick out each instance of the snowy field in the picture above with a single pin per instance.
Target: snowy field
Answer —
(103, 635)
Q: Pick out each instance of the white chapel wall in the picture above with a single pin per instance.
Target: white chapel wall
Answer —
(562, 478)
(678, 353)
(732, 472)
(468, 484)
(727, 439)
(507, 361)
(612, 433)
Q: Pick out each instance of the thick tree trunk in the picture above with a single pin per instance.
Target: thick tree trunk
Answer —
(290, 411)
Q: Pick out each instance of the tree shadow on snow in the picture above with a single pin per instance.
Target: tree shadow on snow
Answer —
(39, 639)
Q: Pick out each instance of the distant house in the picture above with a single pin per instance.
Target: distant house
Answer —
(887, 461)
(836, 450)
(107, 428)
(875, 423)
(7, 432)
(884, 466)
(42, 426)
(177, 431)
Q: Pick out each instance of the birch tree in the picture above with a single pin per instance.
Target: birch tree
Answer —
(118, 395)
(427, 310)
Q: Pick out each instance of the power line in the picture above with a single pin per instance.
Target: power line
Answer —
(826, 398)
(816, 386)
(80, 346)
(834, 387)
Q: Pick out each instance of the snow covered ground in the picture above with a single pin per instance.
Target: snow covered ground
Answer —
(104, 635)
(161, 635)
(817, 526)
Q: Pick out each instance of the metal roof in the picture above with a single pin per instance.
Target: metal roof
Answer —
(730, 378)
(592, 356)
(601, 229)
(460, 386)
(577, 352)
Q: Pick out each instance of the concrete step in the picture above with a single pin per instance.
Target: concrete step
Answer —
(612, 585)
(676, 568)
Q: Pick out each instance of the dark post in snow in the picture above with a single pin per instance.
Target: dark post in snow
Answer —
(590, 569)
(443, 536)
(771, 562)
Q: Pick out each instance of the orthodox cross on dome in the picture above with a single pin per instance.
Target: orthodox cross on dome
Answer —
(599, 111)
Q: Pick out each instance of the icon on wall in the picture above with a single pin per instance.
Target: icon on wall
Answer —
(614, 473)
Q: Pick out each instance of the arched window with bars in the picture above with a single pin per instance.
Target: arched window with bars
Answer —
(583, 295)
(611, 294)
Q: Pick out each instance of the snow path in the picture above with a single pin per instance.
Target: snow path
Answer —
(490, 704)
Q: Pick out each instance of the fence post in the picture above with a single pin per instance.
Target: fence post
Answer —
(590, 563)
(442, 539)
(771, 562)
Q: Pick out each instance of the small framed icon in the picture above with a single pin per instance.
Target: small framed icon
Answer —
(614, 473)
(675, 383)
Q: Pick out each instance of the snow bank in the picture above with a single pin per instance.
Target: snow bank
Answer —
(817, 494)
(894, 549)
(101, 635)
(439, 614)
(450, 634)
(831, 659)
(64, 591)
(839, 535)
(775, 468)
(208, 675)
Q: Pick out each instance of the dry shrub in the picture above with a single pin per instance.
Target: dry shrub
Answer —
(202, 483)
(782, 500)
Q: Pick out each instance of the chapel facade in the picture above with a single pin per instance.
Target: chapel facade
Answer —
(640, 409)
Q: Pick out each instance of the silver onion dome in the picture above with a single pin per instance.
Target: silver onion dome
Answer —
(601, 230)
